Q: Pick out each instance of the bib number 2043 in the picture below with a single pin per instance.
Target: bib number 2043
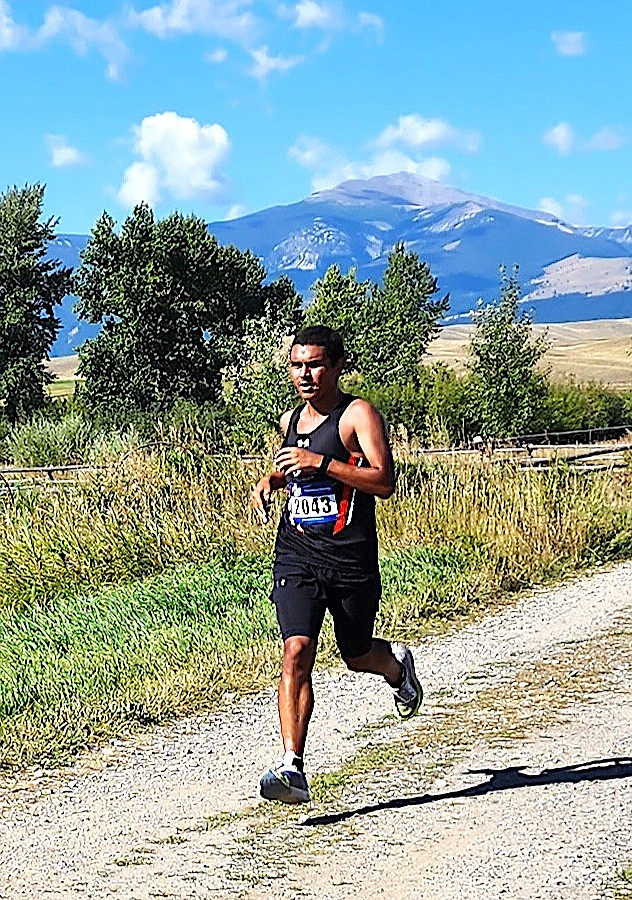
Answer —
(314, 509)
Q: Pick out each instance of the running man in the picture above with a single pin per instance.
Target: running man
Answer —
(335, 459)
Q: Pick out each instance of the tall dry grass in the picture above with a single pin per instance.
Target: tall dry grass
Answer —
(152, 512)
(527, 520)
(463, 533)
(162, 509)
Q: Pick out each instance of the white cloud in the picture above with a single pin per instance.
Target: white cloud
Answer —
(561, 137)
(216, 57)
(264, 64)
(383, 164)
(178, 157)
(12, 36)
(571, 208)
(62, 154)
(83, 33)
(621, 217)
(140, 185)
(576, 207)
(329, 166)
(605, 139)
(310, 152)
(225, 18)
(330, 17)
(414, 131)
(236, 211)
(372, 21)
(552, 206)
(570, 43)
(309, 14)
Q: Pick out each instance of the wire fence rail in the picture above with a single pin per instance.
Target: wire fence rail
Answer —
(600, 449)
(589, 457)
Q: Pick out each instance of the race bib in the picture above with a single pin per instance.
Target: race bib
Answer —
(312, 503)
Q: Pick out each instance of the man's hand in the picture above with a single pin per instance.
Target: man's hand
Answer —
(260, 497)
(261, 493)
(294, 460)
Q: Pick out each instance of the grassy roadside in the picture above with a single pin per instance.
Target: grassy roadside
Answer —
(88, 667)
(105, 628)
(623, 886)
(93, 667)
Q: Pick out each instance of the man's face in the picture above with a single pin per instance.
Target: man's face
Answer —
(313, 374)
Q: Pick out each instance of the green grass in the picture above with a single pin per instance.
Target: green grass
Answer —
(90, 666)
(62, 387)
(623, 886)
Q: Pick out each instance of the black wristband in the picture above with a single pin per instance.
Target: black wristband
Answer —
(322, 469)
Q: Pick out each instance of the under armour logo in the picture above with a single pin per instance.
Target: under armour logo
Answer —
(302, 442)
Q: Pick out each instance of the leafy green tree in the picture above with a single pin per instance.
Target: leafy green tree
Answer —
(30, 287)
(174, 306)
(256, 385)
(508, 390)
(400, 319)
(387, 328)
(340, 301)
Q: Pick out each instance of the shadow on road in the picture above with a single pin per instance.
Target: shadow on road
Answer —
(499, 780)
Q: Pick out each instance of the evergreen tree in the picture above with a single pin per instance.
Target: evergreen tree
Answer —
(30, 288)
(508, 390)
(400, 320)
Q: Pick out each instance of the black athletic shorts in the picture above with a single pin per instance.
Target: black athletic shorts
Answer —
(302, 593)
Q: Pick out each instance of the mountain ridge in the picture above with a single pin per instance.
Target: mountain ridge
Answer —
(463, 237)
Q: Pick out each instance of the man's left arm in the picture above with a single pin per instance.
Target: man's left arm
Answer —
(362, 424)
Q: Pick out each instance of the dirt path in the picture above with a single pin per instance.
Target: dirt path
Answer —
(515, 782)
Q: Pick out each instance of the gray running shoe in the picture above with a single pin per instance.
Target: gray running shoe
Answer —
(285, 784)
(409, 694)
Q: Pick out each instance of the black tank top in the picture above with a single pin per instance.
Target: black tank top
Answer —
(326, 522)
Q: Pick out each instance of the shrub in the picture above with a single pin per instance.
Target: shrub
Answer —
(42, 442)
(434, 411)
(571, 407)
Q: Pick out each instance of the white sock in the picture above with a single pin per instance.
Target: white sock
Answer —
(291, 760)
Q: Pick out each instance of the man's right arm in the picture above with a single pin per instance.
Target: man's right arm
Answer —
(261, 493)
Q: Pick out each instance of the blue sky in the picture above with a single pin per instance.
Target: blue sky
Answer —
(222, 107)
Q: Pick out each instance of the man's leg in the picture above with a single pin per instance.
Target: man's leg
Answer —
(296, 696)
(395, 663)
(380, 660)
(354, 612)
(286, 780)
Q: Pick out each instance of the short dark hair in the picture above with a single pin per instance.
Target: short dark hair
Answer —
(321, 336)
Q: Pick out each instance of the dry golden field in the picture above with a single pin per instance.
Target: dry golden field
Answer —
(580, 351)
(63, 367)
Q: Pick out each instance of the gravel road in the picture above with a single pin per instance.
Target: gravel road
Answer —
(516, 780)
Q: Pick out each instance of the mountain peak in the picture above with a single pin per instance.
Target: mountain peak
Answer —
(567, 273)
(401, 188)
(405, 190)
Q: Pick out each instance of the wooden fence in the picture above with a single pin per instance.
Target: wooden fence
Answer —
(522, 451)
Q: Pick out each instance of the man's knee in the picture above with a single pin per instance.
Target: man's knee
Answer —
(298, 657)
